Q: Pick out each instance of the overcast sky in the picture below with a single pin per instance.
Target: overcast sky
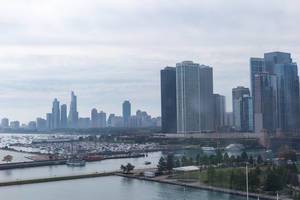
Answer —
(109, 51)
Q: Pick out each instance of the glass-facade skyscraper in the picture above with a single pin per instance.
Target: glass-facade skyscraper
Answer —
(73, 114)
(277, 103)
(126, 110)
(168, 100)
(194, 92)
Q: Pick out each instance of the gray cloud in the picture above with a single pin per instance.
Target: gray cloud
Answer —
(108, 51)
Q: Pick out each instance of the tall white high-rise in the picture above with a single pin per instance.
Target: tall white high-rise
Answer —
(194, 95)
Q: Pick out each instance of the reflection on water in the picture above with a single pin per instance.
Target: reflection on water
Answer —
(108, 188)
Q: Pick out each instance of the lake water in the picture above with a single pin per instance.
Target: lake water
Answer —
(109, 188)
(91, 167)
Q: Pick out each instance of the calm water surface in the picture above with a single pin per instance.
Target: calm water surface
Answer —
(108, 188)
(64, 170)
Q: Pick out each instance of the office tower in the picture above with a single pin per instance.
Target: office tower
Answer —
(143, 119)
(84, 122)
(246, 113)
(114, 121)
(219, 111)
(31, 125)
(56, 114)
(73, 114)
(63, 116)
(237, 94)
(14, 124)
(281, 65)
(265, 102)
(102, 119)
(229, 119)
(49, 121)
(282, 110)
(41, 124)
(126, 109)
(257, 65)
(168, 100)
(194, 97)
(4, 123)
(94, 118)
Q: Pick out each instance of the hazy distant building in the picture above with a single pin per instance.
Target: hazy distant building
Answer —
(114, 121)
(101, 119)
(84, 122)
(194, 92)
(32, 125)
(49, 121)
(41, 124)
(14, 124)
(94, 118)
(73, 114)
(168, 100)
(219, 111)
(55, 114)
(4, 123)
(237, 94)
(63, 116)
(126, 110)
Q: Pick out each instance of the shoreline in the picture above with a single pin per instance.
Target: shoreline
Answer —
(201, 187)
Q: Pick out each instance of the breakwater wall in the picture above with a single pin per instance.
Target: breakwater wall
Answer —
(52, 179)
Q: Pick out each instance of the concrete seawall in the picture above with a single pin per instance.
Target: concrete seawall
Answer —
(202, 187)
(52, 179)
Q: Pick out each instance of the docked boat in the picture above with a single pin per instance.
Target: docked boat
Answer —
(76, 163)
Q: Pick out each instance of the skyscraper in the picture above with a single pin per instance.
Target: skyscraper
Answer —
(265, 102)
(49, 121)
(219, 111)
(94, 118)
(277, 103)
(5, 123)
(257, 65)
(194, 97)
(73, 114)
(286, 71)
(126, 109)
(237, 94)
(55, 114)
(63, 116)
(102, 119)
(168, 100)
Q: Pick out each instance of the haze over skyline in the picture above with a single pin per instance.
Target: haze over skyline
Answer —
(106, 54)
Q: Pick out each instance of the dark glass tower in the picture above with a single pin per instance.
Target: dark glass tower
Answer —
(126, 109)
(63, 116)
(168, 100)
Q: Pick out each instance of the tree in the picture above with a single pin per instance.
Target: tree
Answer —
(184, 161)
(254, 181)
(251, 161)
(211, 174)
(7, 158)
(226, 157)
(170, 162)
(259, 159)
(219, 157)
(162, 165)
(129, 167)
(244, 157)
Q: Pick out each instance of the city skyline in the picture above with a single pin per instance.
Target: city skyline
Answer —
(61, 53)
